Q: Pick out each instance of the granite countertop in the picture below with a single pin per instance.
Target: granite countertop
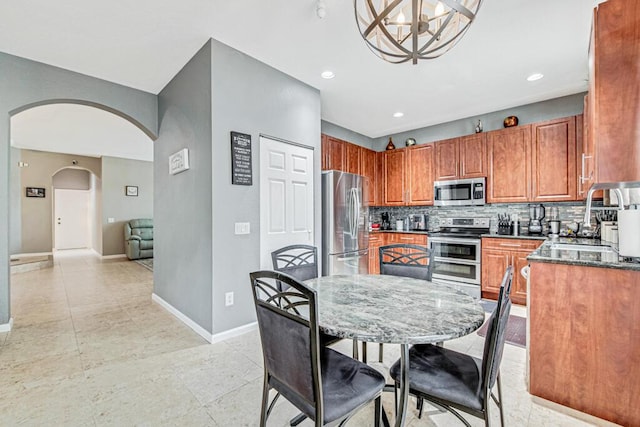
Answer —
(401, 231)
(393, 309)
(550, 254)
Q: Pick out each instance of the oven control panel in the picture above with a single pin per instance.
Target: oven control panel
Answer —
(465, 222)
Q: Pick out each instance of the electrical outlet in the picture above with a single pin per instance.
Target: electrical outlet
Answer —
(228, 299)
(111, 220)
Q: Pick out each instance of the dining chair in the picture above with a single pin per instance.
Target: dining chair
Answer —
(326, 386)
(455, 381)
(404, 260)
(301, 262)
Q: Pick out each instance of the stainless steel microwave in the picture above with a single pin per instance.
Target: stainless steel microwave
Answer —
(460, 192)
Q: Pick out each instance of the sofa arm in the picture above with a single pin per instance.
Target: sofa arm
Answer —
(133, 248)
(134, 237)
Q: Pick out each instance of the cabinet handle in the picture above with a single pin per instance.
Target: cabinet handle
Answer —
(583, 178)
(511, 245)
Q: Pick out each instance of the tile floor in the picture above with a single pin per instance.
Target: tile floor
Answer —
(90, 348)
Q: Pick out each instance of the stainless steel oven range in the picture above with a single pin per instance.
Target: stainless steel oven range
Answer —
(457, 257)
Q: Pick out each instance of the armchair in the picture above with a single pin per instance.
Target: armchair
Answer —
(138, 238)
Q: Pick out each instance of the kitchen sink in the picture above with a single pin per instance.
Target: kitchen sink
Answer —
(584, 248)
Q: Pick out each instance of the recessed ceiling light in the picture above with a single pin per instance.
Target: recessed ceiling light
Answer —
(398, 114)
(327, 74)
(535, 76)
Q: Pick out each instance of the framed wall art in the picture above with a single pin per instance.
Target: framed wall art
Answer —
(35, 192)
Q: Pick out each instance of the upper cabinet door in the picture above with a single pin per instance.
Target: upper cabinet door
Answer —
(509, 165)
(333, 156)
(554, 160)
(368, 169)
(472, 152)
(446, 159)
(615, 92)
(394, 177)
(420, 175)
(352, 154)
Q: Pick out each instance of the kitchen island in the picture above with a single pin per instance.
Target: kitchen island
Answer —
(584, 330)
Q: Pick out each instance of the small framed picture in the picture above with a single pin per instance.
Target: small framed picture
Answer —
(35, 192)
(131, 190)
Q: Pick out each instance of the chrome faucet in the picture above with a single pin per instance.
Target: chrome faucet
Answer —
(615, 186)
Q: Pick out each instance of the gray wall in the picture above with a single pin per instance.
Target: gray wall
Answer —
(116, 174)
(36, 213)
(183, 202)
(339, 132)
(15, 222)
(28, 83)
(560, 107)
(253, 98)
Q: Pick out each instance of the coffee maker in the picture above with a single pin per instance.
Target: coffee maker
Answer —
(386, 224)
(536, 215)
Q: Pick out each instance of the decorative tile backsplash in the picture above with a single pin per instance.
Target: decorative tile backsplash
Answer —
(568, 212)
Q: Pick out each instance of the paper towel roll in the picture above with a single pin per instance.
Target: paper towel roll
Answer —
(629, 233)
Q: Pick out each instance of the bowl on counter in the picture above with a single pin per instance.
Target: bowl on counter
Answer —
(375, 226)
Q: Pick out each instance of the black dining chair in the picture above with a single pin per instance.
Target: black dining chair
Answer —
(326, 386)
(404, 260)
(301, 262)
(455, 381)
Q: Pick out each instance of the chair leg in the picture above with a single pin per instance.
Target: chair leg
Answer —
(355, 350)
(297, 420)
(420, 407)
(380, 353)
(500, 399)
(265, 400)
(364, 352)
(378, 412)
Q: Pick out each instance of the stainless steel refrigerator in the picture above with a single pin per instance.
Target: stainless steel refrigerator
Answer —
(345, 224)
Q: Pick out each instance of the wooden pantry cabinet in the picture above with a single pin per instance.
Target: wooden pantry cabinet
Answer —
(497, 255)
(332, 153)
(614, 92)
(407, 176)
(459, 158)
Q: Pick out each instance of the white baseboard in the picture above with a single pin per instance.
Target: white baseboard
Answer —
(14, 256)
(184, 319)
(231, 333)
(113, 256)
(6, 327)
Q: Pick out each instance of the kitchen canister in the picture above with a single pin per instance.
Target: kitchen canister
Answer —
(629, 233)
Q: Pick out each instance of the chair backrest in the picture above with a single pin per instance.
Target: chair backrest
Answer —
(495, 338)
(289, 333)
(406, 260)
(299, 261)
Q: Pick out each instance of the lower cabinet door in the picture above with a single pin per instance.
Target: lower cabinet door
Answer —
(519, 285)
(494, 264)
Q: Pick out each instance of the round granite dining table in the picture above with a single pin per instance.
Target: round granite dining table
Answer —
(394, 310)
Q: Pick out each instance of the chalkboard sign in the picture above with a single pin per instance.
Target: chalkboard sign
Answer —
(241, 172)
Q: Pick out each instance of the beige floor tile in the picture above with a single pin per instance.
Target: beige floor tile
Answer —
(32, 372)
(41, 331)
(41, 313)
(199, 417)
(20, 352)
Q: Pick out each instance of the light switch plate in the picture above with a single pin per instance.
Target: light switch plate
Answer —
(242, 228)
(111, 220)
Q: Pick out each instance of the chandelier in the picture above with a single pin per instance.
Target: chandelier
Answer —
(402, 30)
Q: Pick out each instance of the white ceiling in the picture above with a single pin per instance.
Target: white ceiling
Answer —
(144, 43)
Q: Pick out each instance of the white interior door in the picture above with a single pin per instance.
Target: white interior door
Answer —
(286, 197)
(71, 220)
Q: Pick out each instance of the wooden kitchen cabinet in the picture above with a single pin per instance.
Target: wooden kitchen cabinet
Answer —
(509, 165)
(497, 255)
(420, 175)
(352, 158)
(460, 158)
(332, 153)
(394, 192)
(375, 241)
(408, 176)
(553, 167)
(368, 163)
(614, 91)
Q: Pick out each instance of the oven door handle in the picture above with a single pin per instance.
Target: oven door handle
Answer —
(455, 261)
(454, 240)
